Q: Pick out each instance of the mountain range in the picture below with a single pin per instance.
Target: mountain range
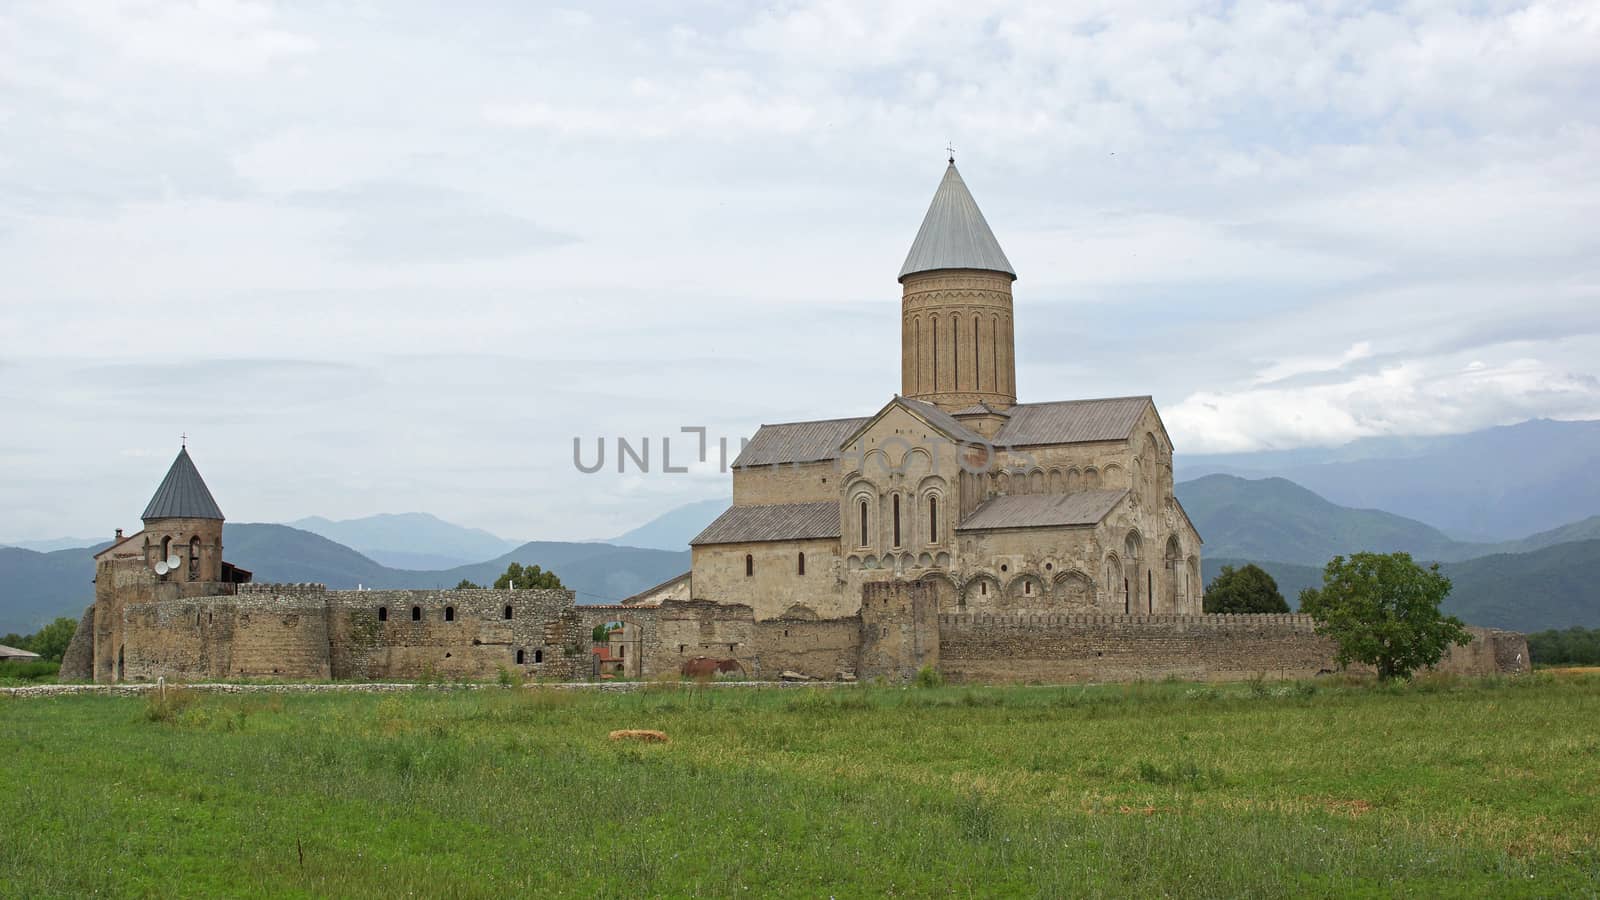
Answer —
(1496, 484)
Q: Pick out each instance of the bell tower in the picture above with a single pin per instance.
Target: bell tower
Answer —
(182, 522)
(957, 347)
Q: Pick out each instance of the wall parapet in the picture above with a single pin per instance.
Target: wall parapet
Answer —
(286, 589)
(1296, 621)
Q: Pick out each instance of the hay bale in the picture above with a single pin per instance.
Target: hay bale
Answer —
(639, 734)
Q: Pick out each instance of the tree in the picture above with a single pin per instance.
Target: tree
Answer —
(50, 642)
(1383, 610)
(602, 633)
(466, 585)
(523, 579)
(1245, 590)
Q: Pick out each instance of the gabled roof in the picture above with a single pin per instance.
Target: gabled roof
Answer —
(954, 234)
(1072, 421)
(1040, 510)
(772, 522)
(797, 442)
(937, 419)
(183, 494)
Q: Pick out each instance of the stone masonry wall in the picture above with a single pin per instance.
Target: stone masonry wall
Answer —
(819, 648)
(454, 634)
(1053, 649)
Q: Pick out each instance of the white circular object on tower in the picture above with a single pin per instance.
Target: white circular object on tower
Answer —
(162, 568)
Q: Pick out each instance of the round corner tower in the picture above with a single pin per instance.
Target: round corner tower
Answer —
(957, 344)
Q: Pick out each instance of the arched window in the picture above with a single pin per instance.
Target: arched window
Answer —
(863, 523)
(449, 613)
(933, 519)
(522, 656)
(749, 565)
(801, 565)
(983, 588)
(416, 614)
(538, 656)
(507, 613)
(383, 614)
(166, 551)
(896, 503)
(194, 558)
(935, 321)
(977, 371)
(1150, 590)
(955, 352)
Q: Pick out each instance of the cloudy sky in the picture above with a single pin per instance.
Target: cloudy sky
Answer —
(380, 257)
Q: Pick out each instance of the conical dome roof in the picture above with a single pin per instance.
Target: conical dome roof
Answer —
(183, 494)
(954, 234)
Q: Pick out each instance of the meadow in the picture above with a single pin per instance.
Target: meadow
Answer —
(1442, 787)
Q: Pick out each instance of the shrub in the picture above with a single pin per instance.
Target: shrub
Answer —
(167, 705)
(929, 677)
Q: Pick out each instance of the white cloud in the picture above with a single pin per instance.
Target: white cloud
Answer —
(1293, 223)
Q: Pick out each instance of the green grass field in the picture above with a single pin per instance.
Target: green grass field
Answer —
(1442, 788)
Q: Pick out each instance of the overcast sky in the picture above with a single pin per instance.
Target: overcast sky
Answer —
(381, 257)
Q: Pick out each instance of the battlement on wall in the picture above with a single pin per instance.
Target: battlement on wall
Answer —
(287, 589)
(1294, 621)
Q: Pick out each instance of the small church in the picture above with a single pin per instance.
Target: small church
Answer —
(1003, 507)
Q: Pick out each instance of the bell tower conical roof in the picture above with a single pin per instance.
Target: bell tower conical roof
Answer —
(183, 494)
(954, 234)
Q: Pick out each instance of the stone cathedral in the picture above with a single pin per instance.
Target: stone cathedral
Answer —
(955, 529)
(1003, 507)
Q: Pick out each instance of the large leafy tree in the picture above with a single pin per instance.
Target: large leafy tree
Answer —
(1248, 589)
(524, 579)
(1383, 610)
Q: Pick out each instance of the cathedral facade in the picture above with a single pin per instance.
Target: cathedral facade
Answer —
(1002, 507)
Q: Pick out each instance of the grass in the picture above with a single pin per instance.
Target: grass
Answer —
(15, 672)
(1440, 788)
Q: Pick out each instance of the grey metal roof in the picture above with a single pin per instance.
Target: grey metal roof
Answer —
(14, 653)
(944, 421)
(797, 442)
(1038, 510)
(954, 234)
(772, 522)
(183, 494)
(1072, 421)
(982, 408)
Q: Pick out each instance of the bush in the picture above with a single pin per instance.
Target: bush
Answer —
(929, 677)
(167, 705)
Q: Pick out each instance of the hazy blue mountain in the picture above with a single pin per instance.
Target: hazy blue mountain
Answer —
(600, 573)
(53, 544)
(410, 540)
(1585, 530)
(37, 587)
(673, 529)
(40, 586)
(1492, 485)
(1553, 587)
(1276, 519)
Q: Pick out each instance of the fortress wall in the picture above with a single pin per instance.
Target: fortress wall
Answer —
(820, 648)
(250, 636)
(1050, 649)
(686, 629)
(476, 643)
